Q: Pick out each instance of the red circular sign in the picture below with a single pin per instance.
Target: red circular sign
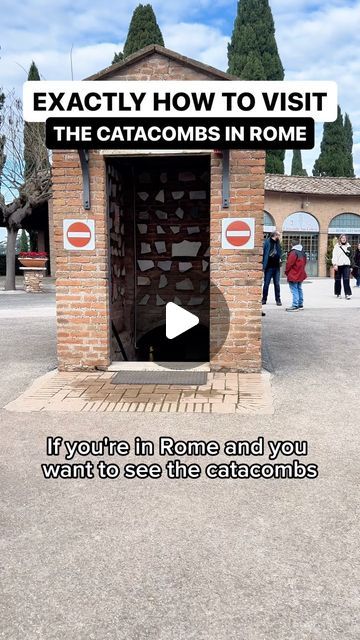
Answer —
(238, 233)
(78, 234)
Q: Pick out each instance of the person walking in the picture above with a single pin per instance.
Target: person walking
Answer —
(271, 266)
(296, 274)
(341, 259)
(356, 270)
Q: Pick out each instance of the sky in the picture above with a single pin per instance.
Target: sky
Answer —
(316, 40)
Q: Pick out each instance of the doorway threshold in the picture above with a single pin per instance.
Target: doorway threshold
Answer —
(155, 366)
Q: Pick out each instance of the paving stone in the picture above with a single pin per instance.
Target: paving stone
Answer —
(130, 393)
(68, 405)
(88, 406)
(224, 408)
(245, 394)
(118, 407)
(103, 406)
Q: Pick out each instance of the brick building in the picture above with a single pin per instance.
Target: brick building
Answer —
(158, 239)
(316, 209)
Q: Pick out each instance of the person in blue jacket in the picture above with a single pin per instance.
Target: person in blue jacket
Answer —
(271, 266)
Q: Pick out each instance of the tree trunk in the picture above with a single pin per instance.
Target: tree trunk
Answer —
(10, 259)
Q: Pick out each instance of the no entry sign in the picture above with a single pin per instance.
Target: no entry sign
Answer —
(238, 233)
(79, 235)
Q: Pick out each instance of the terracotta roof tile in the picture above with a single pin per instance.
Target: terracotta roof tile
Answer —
(310, 184)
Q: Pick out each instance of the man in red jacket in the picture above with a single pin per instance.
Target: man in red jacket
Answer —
(296, 274)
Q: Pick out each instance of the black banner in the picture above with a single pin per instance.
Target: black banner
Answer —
(180, 133)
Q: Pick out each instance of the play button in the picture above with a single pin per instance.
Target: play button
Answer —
(178, 320)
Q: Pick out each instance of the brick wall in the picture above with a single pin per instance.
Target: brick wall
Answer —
(237, 274)
(82, 277)
(159, 67)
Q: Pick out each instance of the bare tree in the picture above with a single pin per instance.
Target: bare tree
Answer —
(26, 180)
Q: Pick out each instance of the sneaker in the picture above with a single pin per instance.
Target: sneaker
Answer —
(263, 314)
(301, 307)
(279, 303)
(292, 309)
(348, 297)
(338, 296)
(263, 301)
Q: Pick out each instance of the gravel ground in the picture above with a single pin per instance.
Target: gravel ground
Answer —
(203, 559)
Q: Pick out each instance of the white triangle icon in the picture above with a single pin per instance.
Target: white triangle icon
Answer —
(178, 320)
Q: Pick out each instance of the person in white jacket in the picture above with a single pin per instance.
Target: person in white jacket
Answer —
(341, 259)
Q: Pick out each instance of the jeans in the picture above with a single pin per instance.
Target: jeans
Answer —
(297, 294)
(342, 273)
(358, 279)
(272, 273)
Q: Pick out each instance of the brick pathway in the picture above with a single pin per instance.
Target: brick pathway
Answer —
(223, 393)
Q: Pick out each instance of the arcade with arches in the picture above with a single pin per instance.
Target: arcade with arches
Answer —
(349, 224)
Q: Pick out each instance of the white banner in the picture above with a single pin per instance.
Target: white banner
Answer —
(183, 99)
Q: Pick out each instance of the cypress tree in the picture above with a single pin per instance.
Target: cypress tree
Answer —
(334, 156)
(35, 152)
(257, 16)
(143, 30)
(253, 69)
(33, 72)
(296, 165)
(118, 57)
(253, 55)
(23, 242)
(2, 137)
(275, 161)
(348, 131)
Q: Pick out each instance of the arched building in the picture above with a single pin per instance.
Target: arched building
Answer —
(316, 209)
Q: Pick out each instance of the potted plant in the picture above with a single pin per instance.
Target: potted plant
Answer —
(33, 259)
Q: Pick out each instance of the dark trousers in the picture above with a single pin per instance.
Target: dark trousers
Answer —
(272, 273)
(342, 273)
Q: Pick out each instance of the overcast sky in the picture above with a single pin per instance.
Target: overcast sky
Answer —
(316, 40)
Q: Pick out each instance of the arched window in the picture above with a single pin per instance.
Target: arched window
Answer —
(345, 223)
(301, 222)
(269, 222)
(305, 228)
